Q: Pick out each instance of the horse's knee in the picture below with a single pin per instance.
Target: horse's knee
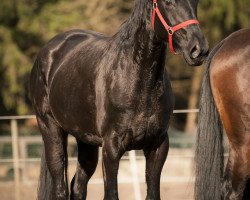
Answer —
(60, 192)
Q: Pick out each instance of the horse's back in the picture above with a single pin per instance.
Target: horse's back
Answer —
(230, 80)
(64, 45)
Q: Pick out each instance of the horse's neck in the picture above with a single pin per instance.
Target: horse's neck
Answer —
(137, 37)
(137, 31)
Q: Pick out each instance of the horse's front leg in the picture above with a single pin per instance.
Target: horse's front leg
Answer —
(111, 153)
(155, 159)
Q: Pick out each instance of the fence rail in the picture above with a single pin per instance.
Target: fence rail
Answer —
(16, 160)
(183, 111)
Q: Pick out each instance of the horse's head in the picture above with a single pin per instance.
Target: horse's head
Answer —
(175, 21)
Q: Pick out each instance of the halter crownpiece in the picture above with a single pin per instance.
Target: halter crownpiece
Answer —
(170, 30)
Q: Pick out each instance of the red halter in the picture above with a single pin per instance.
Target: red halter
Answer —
(168, 28)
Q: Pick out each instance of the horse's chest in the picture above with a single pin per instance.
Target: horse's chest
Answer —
(139, 112)
(142, 129)
(147, 123)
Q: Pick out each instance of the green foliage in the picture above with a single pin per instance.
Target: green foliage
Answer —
(26, 25)
(8, 12)
(219, 18)
(15, 66)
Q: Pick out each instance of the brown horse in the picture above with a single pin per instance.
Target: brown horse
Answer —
(225, 98)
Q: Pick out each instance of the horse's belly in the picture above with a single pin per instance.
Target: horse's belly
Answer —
(72, 116)
(76, 117)
(72, 102)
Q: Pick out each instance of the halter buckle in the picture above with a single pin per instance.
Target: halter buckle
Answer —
(170, 31)
(155, 5)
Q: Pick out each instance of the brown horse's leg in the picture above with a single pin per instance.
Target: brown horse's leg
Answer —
(111, 155)
(87, 162)
(235, 178)
(246, 195)
(155, 160)
(55, 142)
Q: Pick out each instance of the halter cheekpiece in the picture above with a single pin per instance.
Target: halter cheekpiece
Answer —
(170, 30)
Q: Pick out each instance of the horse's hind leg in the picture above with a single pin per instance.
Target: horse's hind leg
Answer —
(155, 160)
(246, 195)
(55, 142)
(87, 162)
(236, 175)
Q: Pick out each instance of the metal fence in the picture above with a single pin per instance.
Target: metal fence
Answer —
(16, 140)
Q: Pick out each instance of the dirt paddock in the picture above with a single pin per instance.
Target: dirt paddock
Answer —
(171, 191)
(177, 182)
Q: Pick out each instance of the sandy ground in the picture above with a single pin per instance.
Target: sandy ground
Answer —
(171, 191)
(176, 179)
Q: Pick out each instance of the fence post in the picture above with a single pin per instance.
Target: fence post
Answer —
(15, 155)
(136, 182)
(23, 155)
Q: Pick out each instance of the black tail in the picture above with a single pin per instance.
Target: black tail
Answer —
(45, 182)
(209, 145)
(44, 191)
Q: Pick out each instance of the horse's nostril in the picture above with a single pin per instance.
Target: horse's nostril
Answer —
(195, 51)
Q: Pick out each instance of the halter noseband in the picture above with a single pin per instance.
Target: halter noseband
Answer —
(170, 30)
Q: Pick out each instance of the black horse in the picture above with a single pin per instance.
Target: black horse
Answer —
(112, 92)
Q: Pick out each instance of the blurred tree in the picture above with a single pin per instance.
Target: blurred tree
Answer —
(11, 58)
(219, 18)
(8, 14)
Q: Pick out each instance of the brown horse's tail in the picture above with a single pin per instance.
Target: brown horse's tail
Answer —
(209, 145)
(45, 181)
